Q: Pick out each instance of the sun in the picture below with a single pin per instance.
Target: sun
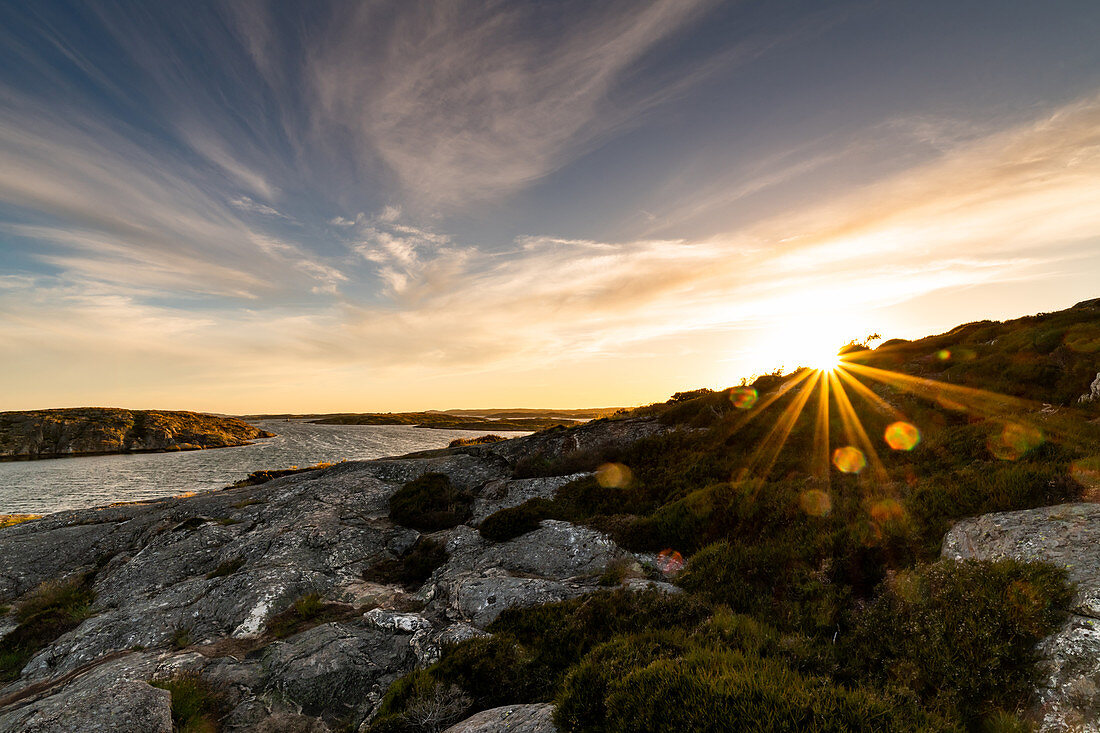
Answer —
(824, 360)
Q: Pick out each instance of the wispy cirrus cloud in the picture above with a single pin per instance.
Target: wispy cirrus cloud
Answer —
(463, 101)
(451, 309)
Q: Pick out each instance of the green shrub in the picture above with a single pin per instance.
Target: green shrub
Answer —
(414, 568)
(430, 503)
(961, 635)
(71, 598)
(770, 580)
(722, 691)
(197, 707)
(581, 704)
(417, 703)
(512, 522)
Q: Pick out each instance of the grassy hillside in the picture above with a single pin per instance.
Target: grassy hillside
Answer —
(803, 516)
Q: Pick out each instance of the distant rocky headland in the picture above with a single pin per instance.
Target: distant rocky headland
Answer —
(82, 431)
(505, 420)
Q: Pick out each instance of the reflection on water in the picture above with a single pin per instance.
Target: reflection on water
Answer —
(38, 487)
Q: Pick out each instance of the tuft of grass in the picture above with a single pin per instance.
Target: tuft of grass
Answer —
(247, 502)
(181, 637)
(430, 503)
(227, 567)
(306, 611)
(197, 707)
(52, 609)
(309, 606)
(616, 572)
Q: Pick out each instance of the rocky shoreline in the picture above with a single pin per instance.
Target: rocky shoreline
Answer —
(89, 431)
(164, 602)
(204, 585)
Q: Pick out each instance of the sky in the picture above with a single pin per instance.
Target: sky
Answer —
(252, 206)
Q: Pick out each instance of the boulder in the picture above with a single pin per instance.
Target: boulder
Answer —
(1093, 395)
(336, 670)
(1068, 535)
(537, 718)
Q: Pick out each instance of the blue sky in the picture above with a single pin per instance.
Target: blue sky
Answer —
(252, 206)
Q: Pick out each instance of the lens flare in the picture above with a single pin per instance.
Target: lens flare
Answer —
(743, 398)
(815, 502)
(1086, 472)
(613, 476)
(887, 510)
(943, 354)
(849, 459)
(902, 435)
(1014, 441)
(670, 562)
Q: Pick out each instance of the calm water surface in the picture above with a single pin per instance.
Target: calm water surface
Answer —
(38, 487)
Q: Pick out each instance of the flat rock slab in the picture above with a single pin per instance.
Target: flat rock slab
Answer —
(112, 697)
(538, 718)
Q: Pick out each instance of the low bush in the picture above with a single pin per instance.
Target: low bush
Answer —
(773, 581)
(197, 707)
(581, 704)
(616, 572)
(961, 635)
(719, 691)
(512, 522)
(430, 503)
(423, 704)
(414, 568)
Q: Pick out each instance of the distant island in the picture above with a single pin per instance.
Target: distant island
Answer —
(495, 419)
(83, 431)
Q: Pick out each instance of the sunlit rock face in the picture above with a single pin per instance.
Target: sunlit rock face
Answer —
(1067, 535)
(220, 565)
